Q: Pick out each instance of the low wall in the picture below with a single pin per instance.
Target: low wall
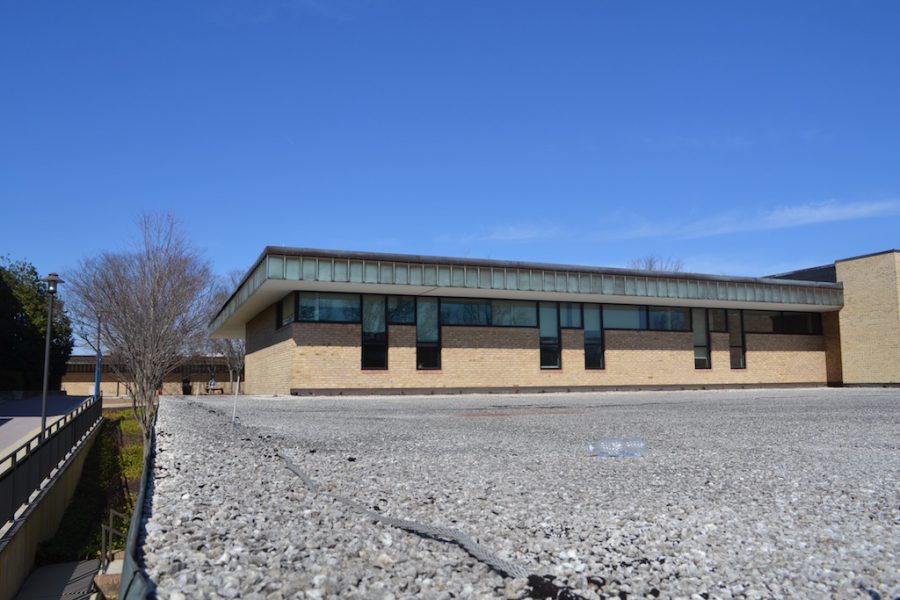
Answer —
(40, 520)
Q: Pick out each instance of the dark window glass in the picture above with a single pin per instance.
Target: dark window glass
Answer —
(736, 339)
(593, 324)
(374, 356)
(767, 321)
(737, 358)
(760, 321)
(427, 329)
(401, 310)
(428, 334)
(801, 323)
(549, 323)
(374, 332)
(341, 308)
(549, 334)
(593, 337)
(669, 319)
(570, 315)
(374, 328)
(428, 356)
(286, 311)
(513, 313)
(593, 356)
(455, 311)
(619, 316)
(550, 357)
(717, 320)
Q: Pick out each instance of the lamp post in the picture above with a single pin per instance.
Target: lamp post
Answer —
(99, 360)
(53, 281)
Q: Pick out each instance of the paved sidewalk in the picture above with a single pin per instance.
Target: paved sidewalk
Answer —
(25, 419)
(65, 580)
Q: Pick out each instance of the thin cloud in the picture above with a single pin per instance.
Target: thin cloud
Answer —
(784, 217)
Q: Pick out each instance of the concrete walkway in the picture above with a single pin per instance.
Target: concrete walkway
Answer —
(66, 580)
(25, 419)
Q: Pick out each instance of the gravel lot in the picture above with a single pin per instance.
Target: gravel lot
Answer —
(744, 493)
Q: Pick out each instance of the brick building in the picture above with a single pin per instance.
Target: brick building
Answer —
(320, 321)
(193, 374)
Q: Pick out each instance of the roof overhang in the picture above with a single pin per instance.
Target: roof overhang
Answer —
(279, 271)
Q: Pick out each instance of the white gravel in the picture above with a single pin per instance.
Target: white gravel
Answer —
(745, 493)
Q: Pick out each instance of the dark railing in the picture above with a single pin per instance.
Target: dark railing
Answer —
(32, 462)
(135, 584)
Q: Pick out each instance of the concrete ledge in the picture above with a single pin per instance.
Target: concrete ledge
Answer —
(428, 391)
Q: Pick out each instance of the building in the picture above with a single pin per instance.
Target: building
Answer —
(193, 375)
(321, 321)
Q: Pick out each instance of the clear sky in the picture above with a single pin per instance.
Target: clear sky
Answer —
(742, 137)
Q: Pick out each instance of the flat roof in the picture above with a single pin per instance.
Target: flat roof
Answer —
(279, 270)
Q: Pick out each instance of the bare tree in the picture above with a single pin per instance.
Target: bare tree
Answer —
(233, 350)
(651, 262)
(154, 302)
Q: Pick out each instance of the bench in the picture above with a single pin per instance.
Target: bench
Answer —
(214, 389)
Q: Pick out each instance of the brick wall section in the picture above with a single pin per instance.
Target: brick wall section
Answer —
(870, 319)
(327, 356)
(271, 354)
(831, 329)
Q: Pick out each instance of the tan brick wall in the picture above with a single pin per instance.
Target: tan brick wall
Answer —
(328, 356)
(831, 329)
(82, 384)
(271, 355)
(870, 319)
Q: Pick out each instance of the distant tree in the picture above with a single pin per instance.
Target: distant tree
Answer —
(23, 327)
(153, 301)
(652, 262)
(233, 350)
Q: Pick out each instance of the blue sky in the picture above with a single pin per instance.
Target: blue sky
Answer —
(741, 137)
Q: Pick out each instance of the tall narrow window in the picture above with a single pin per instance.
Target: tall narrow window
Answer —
(374, 333)
(548, 315)
(428, 334)
(286, 309)
(736, 339)
(702, 359)
(593, 337)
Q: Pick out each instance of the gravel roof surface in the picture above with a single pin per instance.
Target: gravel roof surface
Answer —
(742, 493)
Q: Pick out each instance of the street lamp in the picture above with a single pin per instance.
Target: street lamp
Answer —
(53, 282)
(99, 360)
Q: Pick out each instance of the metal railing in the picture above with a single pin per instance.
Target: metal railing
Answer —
(31, 463)
(107, 533)
(135, 584)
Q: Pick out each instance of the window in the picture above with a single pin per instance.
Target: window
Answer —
(401, 310)
(717, 319)
(736, 339)
(800, 323)
(618, 316)
(374, 333)
(549, 335)
(336, 308)
(593, 337)
(456, 311)
(570, 315)
(428, 334)
(759, 321)
(702, 358)
(286, 310)
(513, 313)
(669, 319)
